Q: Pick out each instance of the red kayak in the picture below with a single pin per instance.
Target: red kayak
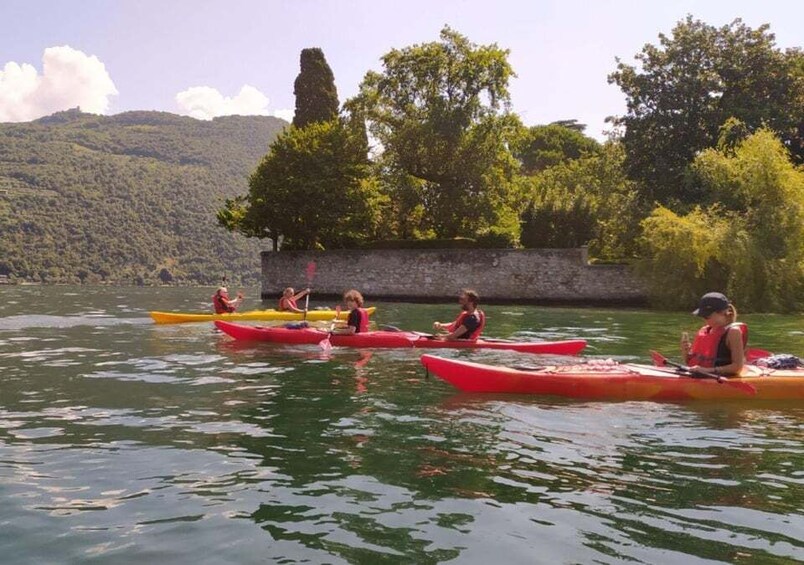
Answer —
(615, 381)
(389, 339)
(312, 336)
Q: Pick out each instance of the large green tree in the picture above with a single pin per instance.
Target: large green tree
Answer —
(684, 89)
(440, 111)
(312, 191)
(316, 95)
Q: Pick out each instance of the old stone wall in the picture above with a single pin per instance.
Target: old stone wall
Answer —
(547, 276)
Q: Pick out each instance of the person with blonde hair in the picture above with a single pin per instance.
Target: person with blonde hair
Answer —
(287, 303)
(221, 302)
(719, 346)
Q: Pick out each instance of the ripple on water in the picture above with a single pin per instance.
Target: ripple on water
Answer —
(149, 377)
(31, 321)
(177, 447)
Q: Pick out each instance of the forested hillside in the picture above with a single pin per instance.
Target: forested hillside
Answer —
(129, 198)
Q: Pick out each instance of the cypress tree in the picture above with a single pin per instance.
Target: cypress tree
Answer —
(316, 95)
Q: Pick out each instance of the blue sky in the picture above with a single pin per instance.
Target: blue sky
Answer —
(149, 51)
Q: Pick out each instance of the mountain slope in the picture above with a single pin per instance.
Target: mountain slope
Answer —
(128, 198)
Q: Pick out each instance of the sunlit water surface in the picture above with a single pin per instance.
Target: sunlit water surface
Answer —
(126, 442)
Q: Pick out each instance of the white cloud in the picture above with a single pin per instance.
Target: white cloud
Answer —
(285, 114)
(69, 78)
(205, 103)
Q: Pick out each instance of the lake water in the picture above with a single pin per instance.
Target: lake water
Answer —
(126, 442)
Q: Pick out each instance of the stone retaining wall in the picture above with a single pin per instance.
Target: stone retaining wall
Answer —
(541, 276)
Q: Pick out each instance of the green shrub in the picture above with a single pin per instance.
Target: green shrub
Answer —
(498, 238)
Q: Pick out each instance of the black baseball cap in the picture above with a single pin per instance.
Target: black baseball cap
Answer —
(711, 302)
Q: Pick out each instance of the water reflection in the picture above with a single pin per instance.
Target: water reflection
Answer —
(134, 442)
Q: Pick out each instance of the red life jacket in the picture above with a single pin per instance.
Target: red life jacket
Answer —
(363, 324)
(459, 322)
(219, 305)
(709, 347)
(287, 304)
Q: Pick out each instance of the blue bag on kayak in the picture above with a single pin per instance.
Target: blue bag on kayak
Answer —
(297, 325)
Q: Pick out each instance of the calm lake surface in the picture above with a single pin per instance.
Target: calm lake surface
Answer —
(126, 442)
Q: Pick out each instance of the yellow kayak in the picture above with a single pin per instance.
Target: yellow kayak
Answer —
(312, 316)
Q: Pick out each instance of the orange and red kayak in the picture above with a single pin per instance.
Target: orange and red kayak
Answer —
(617, 381)
(389, 339)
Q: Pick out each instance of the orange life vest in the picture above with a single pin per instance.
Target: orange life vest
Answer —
(220, 306)
(286, 304)
(709, 348)
(459, 322)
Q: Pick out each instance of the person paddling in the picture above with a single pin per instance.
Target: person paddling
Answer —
(221, 302)
(287, 303)
(358, 320)
(719, 346)
(470, 322)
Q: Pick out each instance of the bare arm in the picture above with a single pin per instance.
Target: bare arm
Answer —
(301, 294)
(345, 330)
(734, 341)
(459, 331)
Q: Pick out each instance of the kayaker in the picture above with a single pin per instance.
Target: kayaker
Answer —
(719, 346)
(288, 301)
(358, 319)
(223, 304)
(469, 323)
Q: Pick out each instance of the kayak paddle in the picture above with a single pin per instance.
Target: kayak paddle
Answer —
(662, 361)
(310, 272)
(325, 344)
(389, 328)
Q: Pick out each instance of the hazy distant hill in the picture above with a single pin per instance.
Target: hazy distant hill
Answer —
(127, 198)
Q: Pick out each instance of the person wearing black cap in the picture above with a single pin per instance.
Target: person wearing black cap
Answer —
(719, 346)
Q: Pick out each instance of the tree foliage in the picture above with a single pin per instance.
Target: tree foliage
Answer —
(585, 201)
(749, 241)
(314, 88)
(312, 191)
(689, 85)
(558, 218)
(541, 147)
(440, 113)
